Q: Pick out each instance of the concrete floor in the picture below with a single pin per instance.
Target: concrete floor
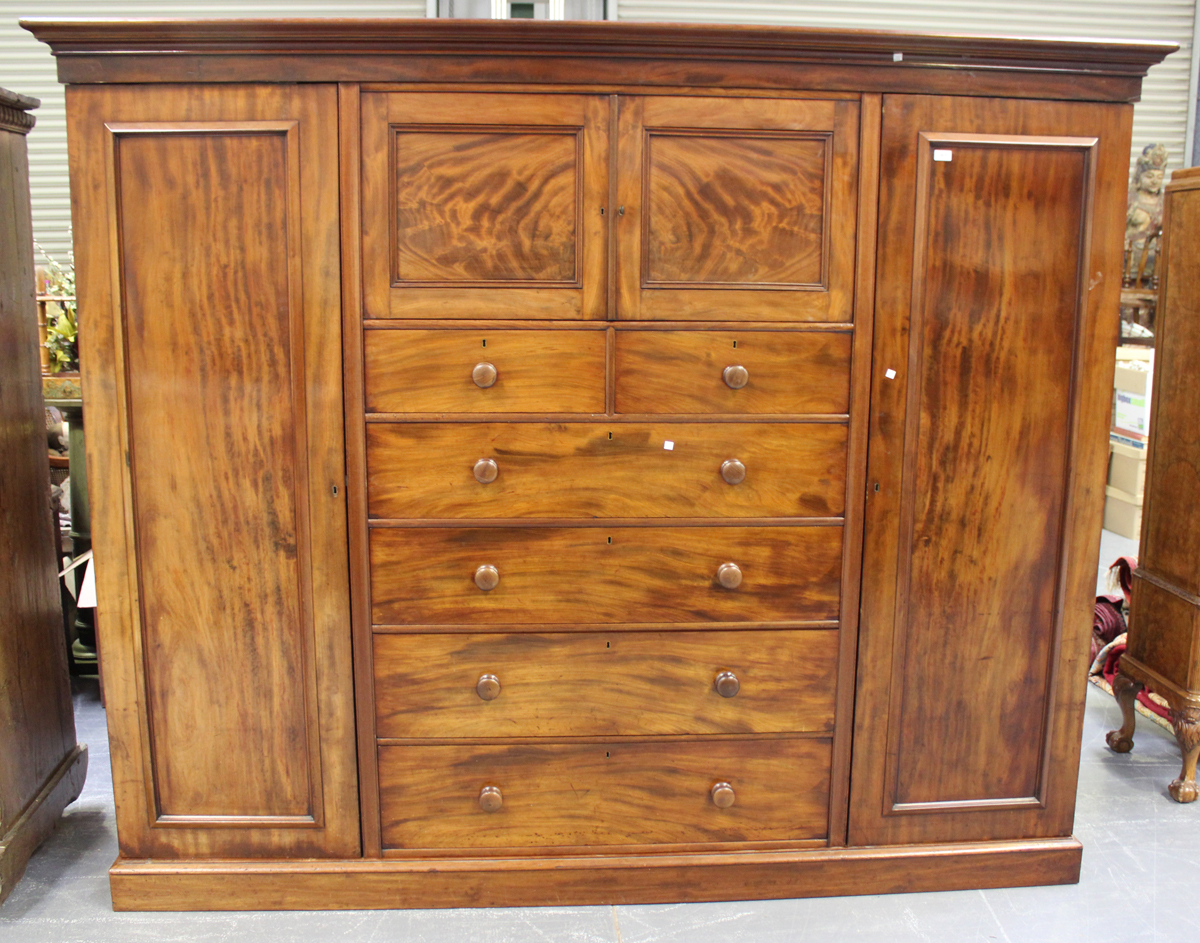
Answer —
(1140, 865)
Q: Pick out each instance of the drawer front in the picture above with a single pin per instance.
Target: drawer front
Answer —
(550, 575)
(604, 683)
(682, 372)
(613, 793)
(416, 371)
(589, 470)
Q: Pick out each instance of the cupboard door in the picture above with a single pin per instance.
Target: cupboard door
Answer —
(207, 220)
(736, 209)
(484, 205)
(999, 270)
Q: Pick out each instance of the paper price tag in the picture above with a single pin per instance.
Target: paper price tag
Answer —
(668, 445)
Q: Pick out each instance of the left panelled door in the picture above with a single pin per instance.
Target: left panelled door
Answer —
(206, 230)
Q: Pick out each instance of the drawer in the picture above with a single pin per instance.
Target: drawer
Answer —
(605, 683)
(613, 793)
(434, 371)
(427, 575)
(787, 372)
(590, 470)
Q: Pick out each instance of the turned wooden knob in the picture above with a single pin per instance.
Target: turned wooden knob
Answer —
(484, 375)
(729, 575)
(735, 377)
(488, 577)
(733, 471)
(722, 794)
(490, 798)
(486, 471)
(726, 682)
(488, 687)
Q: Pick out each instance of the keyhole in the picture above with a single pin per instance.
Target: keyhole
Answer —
(608, 644)
(610, 435)
(735, 345)
(610, 540)
(602, 211)
(485, 343)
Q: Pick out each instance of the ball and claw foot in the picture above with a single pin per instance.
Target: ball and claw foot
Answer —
(1186, 722)
(1125, 690)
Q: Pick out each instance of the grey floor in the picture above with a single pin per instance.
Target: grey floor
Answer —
(1140, 882)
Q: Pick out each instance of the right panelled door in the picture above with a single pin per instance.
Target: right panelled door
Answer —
(997, 282)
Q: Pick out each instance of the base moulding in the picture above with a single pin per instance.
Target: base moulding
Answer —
(545, 881)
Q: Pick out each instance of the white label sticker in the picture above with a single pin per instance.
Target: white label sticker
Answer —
(668, 445)
(941, 153)
(890, 374)
(897, 57)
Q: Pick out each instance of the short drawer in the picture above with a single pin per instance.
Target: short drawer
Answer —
(613, 793)
(464, 371)
(605, 470)
(605, 683)
(682, 372)
(545, 575)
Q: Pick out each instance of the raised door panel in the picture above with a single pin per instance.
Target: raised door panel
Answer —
(224, 587)
(988, 482)
(736, 209)
(484, 205)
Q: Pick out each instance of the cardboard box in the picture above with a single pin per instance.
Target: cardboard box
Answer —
(1132, 386)
(1127, 469)
(1121, 515)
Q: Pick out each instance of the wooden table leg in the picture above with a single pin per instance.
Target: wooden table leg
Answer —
(1125, 690)
(1186, 722)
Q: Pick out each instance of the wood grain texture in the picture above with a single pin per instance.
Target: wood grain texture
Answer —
(681, 372)
(480, 206)
(736, 209)
(608, 879)
(603, 794)
(212, 639)
(985, 288)
(37, 725)
(924, 764)
(207, 357)
(610, 684)
(350, 231)
(1166, 636)
(596, 470)
(484, 205)
(1170, 545)
(537, 371)
(563, 574)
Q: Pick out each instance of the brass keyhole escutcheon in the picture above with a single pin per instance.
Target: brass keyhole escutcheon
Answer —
(726, 682)
(735, 377)
(722, 794)
(487, 577)
(486, 471)
(488, 687)
(733, 471)
(491, 799)
(729, 575)
(484, 375)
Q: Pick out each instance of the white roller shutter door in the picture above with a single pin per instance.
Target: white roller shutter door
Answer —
(26, 66)
(1161, 115)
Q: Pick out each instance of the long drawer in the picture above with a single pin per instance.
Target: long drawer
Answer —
(609, 793)
(436, 575)
(604, 683)
(733, 372)
(590, 470)
(465, 371)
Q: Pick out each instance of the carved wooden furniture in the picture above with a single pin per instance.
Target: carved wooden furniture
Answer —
(521, 382)
(42, 768)
(1164, 620)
